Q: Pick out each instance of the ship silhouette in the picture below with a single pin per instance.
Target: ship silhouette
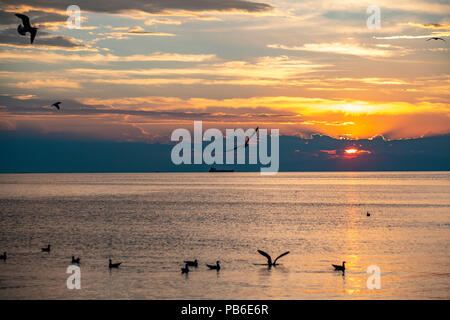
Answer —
(212, 169)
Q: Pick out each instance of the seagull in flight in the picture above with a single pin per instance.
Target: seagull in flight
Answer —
(435, 38)
(247, 140)
(56, 104)
(26, 27)
(269, 259)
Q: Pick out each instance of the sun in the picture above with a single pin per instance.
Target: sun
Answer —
(351, 150)
(354, 108)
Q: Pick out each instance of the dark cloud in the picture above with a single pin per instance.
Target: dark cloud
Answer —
(150, 6)
(8, 18)
(11, 36)
(379, 154)
(71, 107)
(31, 151)
(36, 17)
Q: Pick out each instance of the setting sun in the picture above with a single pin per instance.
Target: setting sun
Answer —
(351, 151)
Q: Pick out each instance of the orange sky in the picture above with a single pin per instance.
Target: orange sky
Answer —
(309, 67)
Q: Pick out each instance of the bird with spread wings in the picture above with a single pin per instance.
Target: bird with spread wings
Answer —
(247, 140)
(271, 263)
(26, 27)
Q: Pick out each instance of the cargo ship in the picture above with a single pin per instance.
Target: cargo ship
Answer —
(212, 169)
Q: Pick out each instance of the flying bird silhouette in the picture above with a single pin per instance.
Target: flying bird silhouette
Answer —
(435, 38)
(247, 140)
(56, 104)
(26, 27)
(269, 259)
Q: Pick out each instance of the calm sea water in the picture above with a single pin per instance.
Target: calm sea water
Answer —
(152, 222)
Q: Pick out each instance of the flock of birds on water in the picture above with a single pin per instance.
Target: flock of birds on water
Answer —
(26, 27)
(189, 263)
(194, 263)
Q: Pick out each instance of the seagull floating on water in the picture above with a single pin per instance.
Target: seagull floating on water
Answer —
(56, 104)
(46, 249)
(26, 27)
(214, 267)
(435, 38)
(192, 263)
(114, 265)
(269, 259)
(185, 269)
(339, 268)
(75, 261)
(3, 256)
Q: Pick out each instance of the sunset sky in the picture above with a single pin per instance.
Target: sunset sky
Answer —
(138, 69)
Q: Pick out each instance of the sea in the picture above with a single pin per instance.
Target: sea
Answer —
(152, 222)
